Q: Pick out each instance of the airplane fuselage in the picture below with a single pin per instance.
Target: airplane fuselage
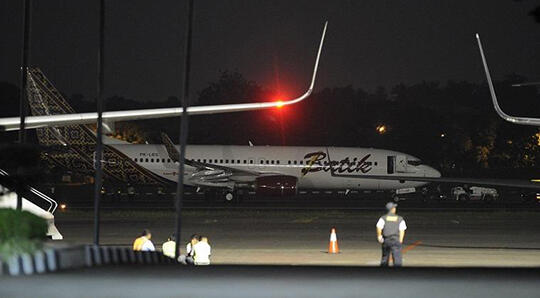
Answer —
(309, 164)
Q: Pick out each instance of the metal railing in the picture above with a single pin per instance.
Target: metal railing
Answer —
(53, 205)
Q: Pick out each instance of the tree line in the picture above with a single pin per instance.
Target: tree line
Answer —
(451, 126)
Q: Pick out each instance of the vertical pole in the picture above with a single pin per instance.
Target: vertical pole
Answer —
(27, 8)
(183, 128)
(99, 140)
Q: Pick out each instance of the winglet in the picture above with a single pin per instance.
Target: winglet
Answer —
(513, 119)
(318, 57)
(13, 123)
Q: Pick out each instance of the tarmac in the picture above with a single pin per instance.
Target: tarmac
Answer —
(436, 237)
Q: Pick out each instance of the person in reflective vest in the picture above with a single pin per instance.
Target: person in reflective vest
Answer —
(143, 243)
(390, 234)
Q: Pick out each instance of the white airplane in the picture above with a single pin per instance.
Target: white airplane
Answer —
(502, 114)
(13, 123)
(267, 170)
(279, 170)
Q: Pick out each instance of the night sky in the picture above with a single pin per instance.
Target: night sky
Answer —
(369, 43)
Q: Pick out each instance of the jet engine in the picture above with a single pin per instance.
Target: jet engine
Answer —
(276, 185)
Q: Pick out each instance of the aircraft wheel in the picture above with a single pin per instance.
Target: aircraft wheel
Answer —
(229, 197)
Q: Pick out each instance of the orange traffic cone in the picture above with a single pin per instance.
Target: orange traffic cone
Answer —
(333, 246)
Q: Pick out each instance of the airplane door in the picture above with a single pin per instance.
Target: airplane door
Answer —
(390, 164)
(401, 164)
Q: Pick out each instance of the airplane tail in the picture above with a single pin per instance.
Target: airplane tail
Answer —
(44, 99)
(73, 146)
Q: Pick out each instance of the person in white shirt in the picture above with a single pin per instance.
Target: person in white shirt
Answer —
(202, 252)
(148, 245)
(187, 259)
(390, 233)
(169, 247)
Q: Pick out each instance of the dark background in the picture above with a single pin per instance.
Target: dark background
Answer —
(369, 44)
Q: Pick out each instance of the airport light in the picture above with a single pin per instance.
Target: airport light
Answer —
(443, 135)
(63, 207)
(381, 129)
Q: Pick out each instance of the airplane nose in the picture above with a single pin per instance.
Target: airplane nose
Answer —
(432, 173)
(429, 172)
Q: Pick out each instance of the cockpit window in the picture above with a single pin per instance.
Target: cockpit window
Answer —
(414, 162)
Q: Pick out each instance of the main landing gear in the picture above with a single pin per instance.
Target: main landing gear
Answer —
(228, 197)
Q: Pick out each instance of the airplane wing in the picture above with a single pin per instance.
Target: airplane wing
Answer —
(212, 175)
(502, 114)
(526, 84)
(13, 123)
(532, 184)
(493, 182)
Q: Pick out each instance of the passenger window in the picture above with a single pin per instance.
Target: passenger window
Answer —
(226, 161)
(146, 160)
(289, 162)
(295, 162)
(204, 160)
(251, 161)
(232, 160)
(301, 162)
(221, 161)
(135, 159)
(168, 160)
(272, 161)
(238, 161)
(277, 161)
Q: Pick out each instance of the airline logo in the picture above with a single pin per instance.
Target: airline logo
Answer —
(315, 162)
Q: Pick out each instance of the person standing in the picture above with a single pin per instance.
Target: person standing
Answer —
(390, 234)
(202, 252)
